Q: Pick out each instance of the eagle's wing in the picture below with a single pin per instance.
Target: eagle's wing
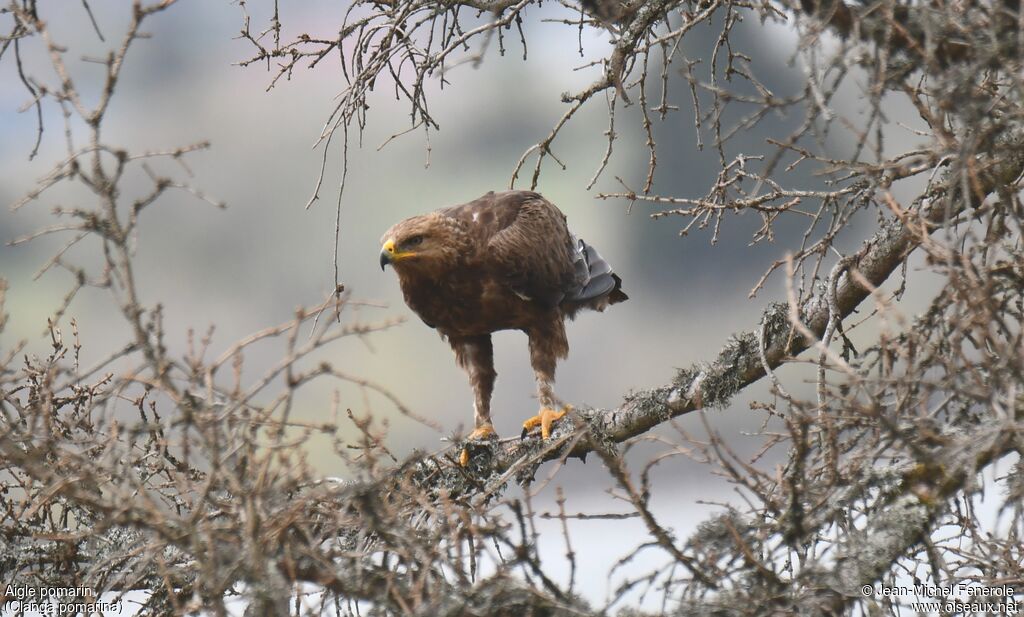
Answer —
(524, 244)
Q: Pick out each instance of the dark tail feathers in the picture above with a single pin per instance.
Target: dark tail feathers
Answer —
(600, 286)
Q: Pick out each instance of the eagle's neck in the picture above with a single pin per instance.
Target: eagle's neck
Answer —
(439, 293)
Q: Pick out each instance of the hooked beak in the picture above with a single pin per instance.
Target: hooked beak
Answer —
(387, 253)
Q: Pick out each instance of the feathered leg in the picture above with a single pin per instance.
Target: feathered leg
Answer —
(547, 345)
(476, 355)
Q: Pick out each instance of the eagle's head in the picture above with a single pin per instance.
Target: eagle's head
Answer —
(425, 241)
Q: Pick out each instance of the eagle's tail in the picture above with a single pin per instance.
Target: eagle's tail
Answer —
(600, 286)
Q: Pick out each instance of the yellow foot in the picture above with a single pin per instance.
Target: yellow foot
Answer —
(544, 418)
(481, 433)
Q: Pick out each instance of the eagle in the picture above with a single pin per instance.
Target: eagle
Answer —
(504, 261)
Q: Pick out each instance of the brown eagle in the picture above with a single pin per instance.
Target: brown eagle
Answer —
(504, 261)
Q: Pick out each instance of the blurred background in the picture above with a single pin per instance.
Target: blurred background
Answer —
(251, 265)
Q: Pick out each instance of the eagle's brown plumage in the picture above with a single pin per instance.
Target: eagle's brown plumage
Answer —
(502, 261)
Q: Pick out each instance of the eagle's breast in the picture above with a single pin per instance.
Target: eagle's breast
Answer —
(467, 300)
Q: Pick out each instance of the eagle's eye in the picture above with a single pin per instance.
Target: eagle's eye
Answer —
(414, 241)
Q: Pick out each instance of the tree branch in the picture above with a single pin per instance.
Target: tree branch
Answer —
(739, 364)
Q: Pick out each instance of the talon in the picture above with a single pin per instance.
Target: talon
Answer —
(544, 418)
(480, 433)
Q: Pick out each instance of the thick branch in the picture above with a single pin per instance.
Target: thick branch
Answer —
(740, 363)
